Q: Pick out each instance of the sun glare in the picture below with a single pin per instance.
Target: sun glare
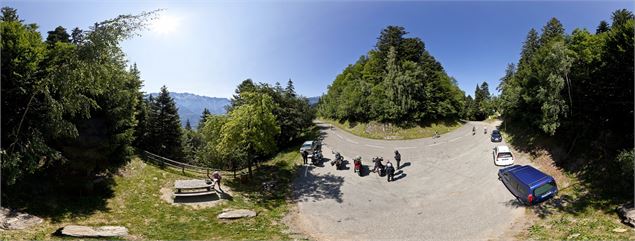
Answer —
(165, 24)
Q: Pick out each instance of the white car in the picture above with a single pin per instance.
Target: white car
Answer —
(503, 156)
(308, 146)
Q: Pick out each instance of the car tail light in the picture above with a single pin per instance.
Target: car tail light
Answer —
(530, 198)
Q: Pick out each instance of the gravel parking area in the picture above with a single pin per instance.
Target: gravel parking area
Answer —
(447, 189)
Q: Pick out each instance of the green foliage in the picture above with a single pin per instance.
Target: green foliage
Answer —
(578, 88)
(192, 142)
(481, 106)
(68, 108)
(293, 113)
(204, 115)
(250, 130)
(621, 17)
(261, 120)
(142, 130)
(398, 82)
(10, 15)
(165, 127)
(602, 27)
(58, 35)
(211, 132)
(552, 31)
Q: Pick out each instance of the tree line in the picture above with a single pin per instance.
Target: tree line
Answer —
(261, 120)
(72, 108)
(396, 82)
(68, 102)
(578, 88)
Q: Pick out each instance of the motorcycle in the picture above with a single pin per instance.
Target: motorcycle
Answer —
(379, 168)
(357, 165)
(338, 162)
(316, 159)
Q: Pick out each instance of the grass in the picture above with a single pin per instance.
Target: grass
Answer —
(375, 130)
(585, 207)
(134, 202)
(573, 215)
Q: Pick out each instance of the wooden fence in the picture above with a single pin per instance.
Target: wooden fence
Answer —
(162, 161)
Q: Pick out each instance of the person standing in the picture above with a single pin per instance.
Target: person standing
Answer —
(305, 155)
(390, 171)
(398, 158)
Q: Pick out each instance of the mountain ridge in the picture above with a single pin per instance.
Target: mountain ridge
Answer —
(190, 106)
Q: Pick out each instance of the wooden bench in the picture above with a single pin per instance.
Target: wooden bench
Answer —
(189, 188)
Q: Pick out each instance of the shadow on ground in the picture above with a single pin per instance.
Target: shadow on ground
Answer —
(406, 164)
(205, 198)
(317, 187)
(268, 186)
(597, 188)
(59, 199)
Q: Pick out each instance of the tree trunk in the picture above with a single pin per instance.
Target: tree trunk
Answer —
(249, 167)
(234, 168)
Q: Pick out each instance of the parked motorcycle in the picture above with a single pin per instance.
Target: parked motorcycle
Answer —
(379, 167)
(338, 162)
(357, 165)
(317, 158)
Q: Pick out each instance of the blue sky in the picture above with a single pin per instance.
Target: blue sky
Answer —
(212, 46)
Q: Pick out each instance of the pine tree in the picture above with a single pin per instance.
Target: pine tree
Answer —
(58, 35)
(531, 44)
(552, 31)
(201, 122)
(187, 125)
(603, 27)
(142, 129)
(621, 17)
(166, 127)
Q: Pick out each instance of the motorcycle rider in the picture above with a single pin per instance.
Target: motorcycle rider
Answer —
(338, 161)
(390, 171)
(473, 130)
(316, 158)
(378, 165)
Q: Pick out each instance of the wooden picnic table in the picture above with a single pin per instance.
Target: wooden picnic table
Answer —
(193, 187)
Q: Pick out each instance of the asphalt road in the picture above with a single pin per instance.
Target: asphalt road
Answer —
(447, 189)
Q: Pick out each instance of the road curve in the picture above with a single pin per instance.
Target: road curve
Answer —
(447, 189)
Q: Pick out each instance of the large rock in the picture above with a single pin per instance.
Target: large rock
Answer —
(627, 213)
(97, 232)
(234, 214)
(15, 220)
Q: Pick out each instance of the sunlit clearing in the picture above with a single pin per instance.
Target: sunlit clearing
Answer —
(165, 24)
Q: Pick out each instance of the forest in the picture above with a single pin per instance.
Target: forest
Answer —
(68, 101)
(575, 89)
(72, 105)
(73, 109)
(578, 89)
(397, 82)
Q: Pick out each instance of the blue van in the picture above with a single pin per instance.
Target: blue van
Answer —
(528, 184)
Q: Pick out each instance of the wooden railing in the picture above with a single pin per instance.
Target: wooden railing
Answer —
(162, 161)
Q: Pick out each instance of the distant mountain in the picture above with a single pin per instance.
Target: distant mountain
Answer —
(313, 100)
(191, 106)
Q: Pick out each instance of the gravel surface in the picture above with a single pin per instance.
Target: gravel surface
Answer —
(447, 189)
